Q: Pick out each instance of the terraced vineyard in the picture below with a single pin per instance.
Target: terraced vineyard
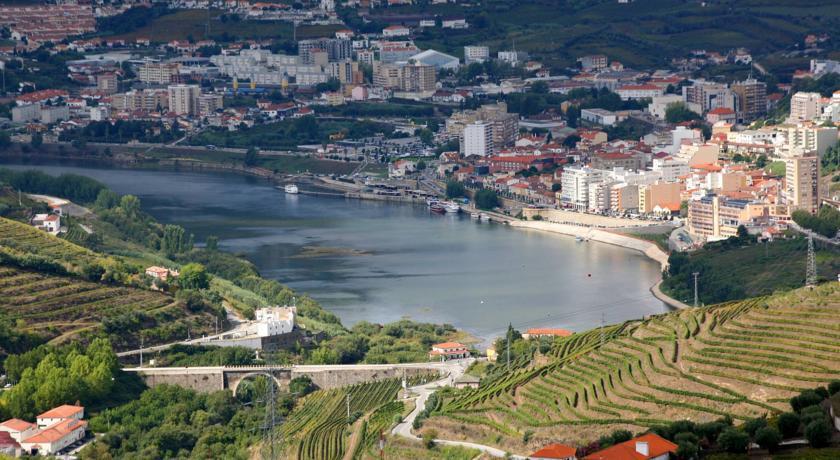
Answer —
(18, 239)
(318, 428)
(742, 359)
(61, 308)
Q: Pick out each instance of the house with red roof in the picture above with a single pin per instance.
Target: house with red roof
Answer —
(18, 429)
(646, 447)
(555, 452)
(56, 429)
(449, 350)
(396, 31)
(538, 332)
(645, 91)
(721, 114)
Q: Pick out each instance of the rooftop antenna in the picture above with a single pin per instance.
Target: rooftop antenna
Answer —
(811, 268)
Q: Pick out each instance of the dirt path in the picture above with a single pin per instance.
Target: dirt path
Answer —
(356, 437)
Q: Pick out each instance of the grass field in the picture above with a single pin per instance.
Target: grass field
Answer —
(640, 33)
(744, 359)
(18, 239)
(183, 24)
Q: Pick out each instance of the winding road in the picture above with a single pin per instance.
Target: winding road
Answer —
(423, 392)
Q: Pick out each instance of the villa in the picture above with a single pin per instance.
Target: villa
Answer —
(449, 350)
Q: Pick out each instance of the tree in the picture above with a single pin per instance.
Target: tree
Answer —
(301, 386)
(768, 438)
(486, 199)
(818, 433)
(733, 440)
(678, 112)
(571, 141)
(193, 276)
(130, 205)
(251, 156)
(788, 424)
(834, 387)
(539, 87)
(5, 140)
(36, 140)
(212, 243)
(429, 438)
(455, 189)
(175, 240)
(421, 165)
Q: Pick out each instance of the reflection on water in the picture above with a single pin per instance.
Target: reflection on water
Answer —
(381, 262)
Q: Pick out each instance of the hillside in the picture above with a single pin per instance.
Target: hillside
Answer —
(741, 359)
(641, 33)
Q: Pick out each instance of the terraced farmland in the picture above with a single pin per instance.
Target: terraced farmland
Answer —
(742, 359)
(318, 428)
(61, 307)
(19, 239)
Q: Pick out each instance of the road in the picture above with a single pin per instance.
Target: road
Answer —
(423, 392)
(816, 235)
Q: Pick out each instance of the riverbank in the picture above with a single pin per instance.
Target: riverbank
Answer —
(649, 249)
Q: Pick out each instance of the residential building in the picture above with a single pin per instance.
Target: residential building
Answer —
(670, 168)
(418, 78)
(632, 160)
(100, 113)
(50, 223)
(659, 104)
(337, 49)
(635, 92)
(723, 114)
(26, 113)
(147, 100)
(699, 154)
(505, 125)
(158, 73)
(664, 196)
(53, 432)
(396, 31)
(107, 83)
(646, 447)
(600, 194)
(346, 72)
(161, 273)
(555, 452)
(476, 54)
(271, 321)
(18, 429)
(576, 181)
(54, 113)
(210, 103)
(477, 139)
(183, 99)
(449, 350)
(513, 58)
(752, 99)
(593, 62)
(805, 107)
(802, 183)
(703, 96)
(718, 217)
(804, 139)
(624, 197)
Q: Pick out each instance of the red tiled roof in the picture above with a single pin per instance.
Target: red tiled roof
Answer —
(555, 451)
(722, 111)
(639, 87)
(17, 424)
(65, 411)
(56, 431)
(627, 450)
(448, 345)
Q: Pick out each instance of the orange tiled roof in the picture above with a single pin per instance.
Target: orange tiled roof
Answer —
(555, 451)
(446, 345)
(627, 450)
(17, 424)
(65, 411)
(56, 431)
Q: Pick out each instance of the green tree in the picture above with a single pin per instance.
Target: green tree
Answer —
(251, 156)
(36, 140)
(486, 199)
(768, 438)
(193, 276)
(733, 440)
(455, 189)
(107, 199)
(212, 243)
(421, 165)
(175, 240)
(130, 205)
(429, 437)
(678, 112)
(788, 424)
(818, 433)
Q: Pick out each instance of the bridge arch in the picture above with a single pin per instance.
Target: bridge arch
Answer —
(234, 385)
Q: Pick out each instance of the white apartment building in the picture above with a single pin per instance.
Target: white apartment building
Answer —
(209, 103)
(831, 112)
(158, 73)
(599, 116)
(600, 194)
(670, 169)
(183, 99)
(575, 182)
(804, 139)
(802, 183)
(477, 139)
(805, 106)
(271, 321)
(476, 54)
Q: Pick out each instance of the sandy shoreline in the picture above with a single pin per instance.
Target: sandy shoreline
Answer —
(647, 248)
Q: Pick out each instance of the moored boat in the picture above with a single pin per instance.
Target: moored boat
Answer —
(474, 215)
(291, 189)
(484, 217)
(452, 207)
(437, 208)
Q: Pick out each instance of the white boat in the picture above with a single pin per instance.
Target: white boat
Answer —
(452, 207)
(291, 189)
(484, 217)
(474, 215)
(431, 200)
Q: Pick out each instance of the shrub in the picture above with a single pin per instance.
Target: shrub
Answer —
(805, 399)
(818, 433)
(711, 430)
(429, 438)
(733, 440)
(812, 413)
(768, 438)
(687, 450)
(526, 436)
(789, 424)
(620, 436)
(834, 386)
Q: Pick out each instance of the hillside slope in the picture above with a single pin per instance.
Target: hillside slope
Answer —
(742, 359)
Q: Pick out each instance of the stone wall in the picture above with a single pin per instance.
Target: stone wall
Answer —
(204, 382)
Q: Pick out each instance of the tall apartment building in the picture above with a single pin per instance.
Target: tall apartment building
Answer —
(347, 72)
(752, 99)
(107, 83)
(802, 183)
(661, 194)
(717, 217)
(593, 62)
(337, 49)
(158, 73)
(476, 54)
(477, 139)
(576, 182)
(803, 139)
(505, 125)
(805, 106)
(418, 78)
(209, 103)
(703, 96)
(183, 99)
(147, 100)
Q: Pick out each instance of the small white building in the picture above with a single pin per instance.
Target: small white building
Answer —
(449, 350)
(271, 321)
(19, 429)
(161, 273)
(396, 31)
(401, 168)
(55, 430)
(50, 223)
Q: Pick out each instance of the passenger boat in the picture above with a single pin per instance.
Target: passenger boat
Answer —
(451, 207)
(291, 189)
(437, 208)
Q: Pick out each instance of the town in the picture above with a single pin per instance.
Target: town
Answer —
(711, 165)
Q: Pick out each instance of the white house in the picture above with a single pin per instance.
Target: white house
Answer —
(19, 429)
(401, 168)
(639, 91)
(55, 430)
(449, 350)
(50, 223)
(396, 31)
(271, 321)
(60, 413)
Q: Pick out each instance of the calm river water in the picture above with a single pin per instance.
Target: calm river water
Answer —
(381, 262)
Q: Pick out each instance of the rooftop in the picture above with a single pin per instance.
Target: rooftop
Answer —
(555, 451)
(65, 411)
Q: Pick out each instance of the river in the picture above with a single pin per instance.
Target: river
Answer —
(380, 262)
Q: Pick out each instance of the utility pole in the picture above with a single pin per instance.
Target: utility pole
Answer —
(347, 400)
(508, 347)
(141, 351)
(696, 300)
(811, 267)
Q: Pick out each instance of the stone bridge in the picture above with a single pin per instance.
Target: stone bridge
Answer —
(216, 378)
